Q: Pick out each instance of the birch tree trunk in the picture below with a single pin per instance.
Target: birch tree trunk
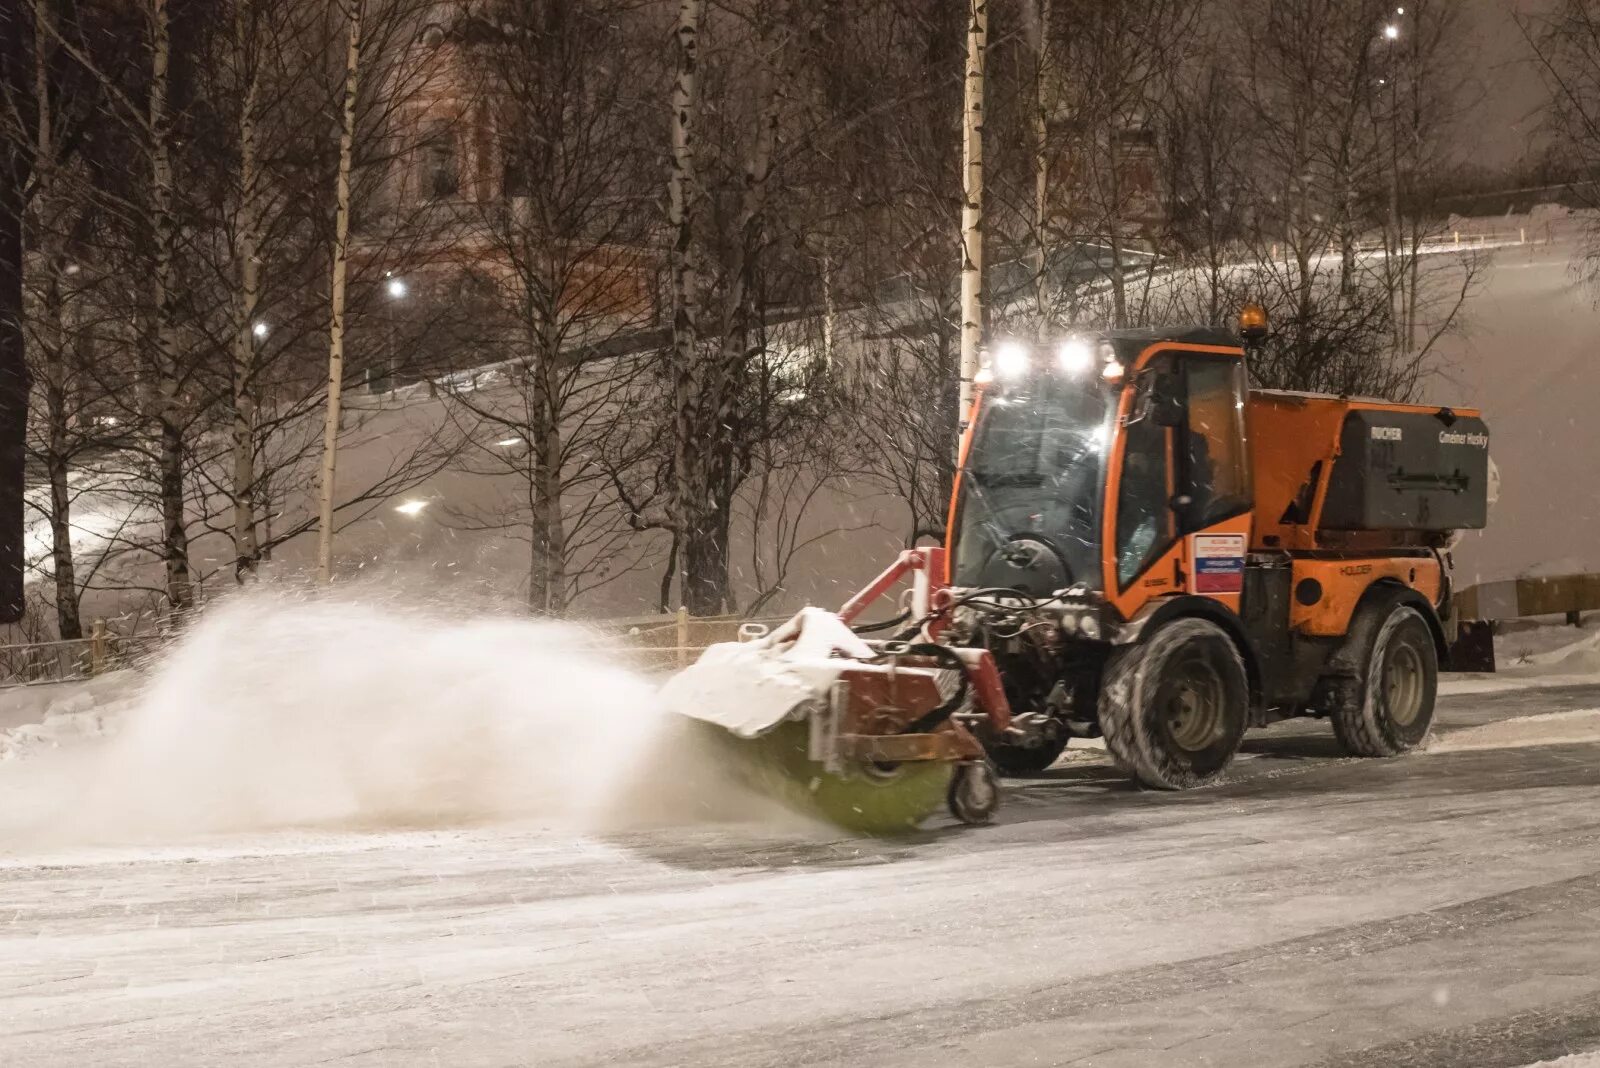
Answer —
(972, 202)
(247, 299)
(164, 302)
(354, 12)
(688, 501)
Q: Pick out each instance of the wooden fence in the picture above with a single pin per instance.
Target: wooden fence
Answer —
(649, 642)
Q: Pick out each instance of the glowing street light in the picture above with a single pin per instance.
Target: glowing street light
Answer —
(259, 330)
(1391, 32)
(411, 507)
(396, 288)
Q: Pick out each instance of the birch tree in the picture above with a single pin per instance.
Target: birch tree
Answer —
(683, 196)
(354, 13)
(972, 317)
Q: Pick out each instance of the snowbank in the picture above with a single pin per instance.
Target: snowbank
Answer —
(63, 714)
(1537, 656)
(1577, 1060)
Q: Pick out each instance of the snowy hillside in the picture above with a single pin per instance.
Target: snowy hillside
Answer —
(1524, 356)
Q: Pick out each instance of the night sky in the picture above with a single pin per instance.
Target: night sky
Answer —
(1504, 122)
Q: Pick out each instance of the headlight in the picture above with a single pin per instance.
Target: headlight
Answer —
(1011, 359)
(1074, 356)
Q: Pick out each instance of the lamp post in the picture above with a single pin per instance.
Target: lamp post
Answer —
(1392, 243)
(396, 290)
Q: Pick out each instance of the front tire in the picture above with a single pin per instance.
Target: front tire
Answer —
(1384, 707)
(974, 793)
(1174, 707)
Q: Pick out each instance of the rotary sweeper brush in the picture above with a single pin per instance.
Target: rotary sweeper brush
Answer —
(1139, 548)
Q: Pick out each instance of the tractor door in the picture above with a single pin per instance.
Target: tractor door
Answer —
(1181, 491)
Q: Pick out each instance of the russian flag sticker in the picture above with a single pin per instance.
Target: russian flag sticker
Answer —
(1218, 563)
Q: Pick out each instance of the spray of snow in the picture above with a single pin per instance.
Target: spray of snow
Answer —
(283, 711)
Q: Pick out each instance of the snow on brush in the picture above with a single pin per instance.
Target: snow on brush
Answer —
(280, 711)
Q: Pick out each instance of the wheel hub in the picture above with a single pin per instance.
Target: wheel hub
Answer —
(1402, 684)
(1194, 708)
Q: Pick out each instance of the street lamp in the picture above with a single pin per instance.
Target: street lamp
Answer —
(396, 289)
(1391, 32)
(259, 330)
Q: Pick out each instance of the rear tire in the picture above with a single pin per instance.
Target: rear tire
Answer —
(1384, 707)
(1174, 707)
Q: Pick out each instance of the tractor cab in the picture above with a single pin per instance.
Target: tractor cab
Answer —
(1113, 466)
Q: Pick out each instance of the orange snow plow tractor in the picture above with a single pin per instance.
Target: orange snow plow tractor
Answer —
(1140, 548)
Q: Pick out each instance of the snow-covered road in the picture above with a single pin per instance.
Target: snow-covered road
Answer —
(1443, 909)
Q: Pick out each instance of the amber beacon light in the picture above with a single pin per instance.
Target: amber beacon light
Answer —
(1253, 322)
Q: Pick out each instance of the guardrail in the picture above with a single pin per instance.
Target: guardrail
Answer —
(1554, 595)
(74, 659)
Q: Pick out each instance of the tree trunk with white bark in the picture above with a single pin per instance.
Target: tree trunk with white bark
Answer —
(163, 330)
(247, 299)
(689, 483)
(354, 15)
(972, 314)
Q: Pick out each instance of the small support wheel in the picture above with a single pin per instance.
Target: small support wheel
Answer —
(974, 793)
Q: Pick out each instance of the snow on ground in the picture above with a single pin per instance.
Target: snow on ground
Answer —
(1576, 727)
(64, 714)
(1526, 648)
(1533, 654)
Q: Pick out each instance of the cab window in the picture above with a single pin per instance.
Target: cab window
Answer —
(1144, 496)
(1215, 473)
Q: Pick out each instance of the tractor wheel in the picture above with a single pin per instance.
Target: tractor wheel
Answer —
(1014, 760)
(1174, 706)
(974, 793)
(1385, 706)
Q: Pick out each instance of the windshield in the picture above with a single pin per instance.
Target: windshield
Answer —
(1028, 515)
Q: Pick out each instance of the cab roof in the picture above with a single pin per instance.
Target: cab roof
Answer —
(1129, 343)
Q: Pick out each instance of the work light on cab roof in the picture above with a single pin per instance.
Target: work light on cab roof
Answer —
(1075, 355)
